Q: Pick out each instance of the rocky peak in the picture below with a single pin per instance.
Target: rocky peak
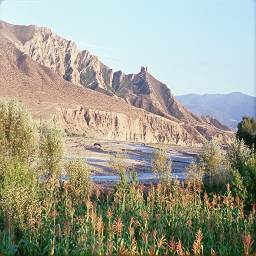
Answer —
(84, 69)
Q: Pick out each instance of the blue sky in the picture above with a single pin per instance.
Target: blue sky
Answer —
(194, 46)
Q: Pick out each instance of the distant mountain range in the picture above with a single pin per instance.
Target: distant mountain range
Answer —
(51, 76)
(227, 108)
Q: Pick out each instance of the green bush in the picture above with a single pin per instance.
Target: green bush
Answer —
(51, 149)
(162, 165)
(78, 175)
(19, 198)
(215, 167)
(246, 130)
(39, 217)
(17, 132)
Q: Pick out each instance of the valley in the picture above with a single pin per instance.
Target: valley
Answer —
(135, 155)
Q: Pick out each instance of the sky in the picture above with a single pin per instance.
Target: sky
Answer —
(194, 46)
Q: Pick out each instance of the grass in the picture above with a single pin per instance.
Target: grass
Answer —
(132, 220)
(41, 215)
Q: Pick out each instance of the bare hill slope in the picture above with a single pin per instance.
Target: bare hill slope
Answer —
(40, 80)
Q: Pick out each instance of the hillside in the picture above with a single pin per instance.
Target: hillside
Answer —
(51, 76)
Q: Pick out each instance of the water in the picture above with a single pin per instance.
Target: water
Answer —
(137, 155)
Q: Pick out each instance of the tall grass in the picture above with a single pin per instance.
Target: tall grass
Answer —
(154, 220)
(41, 215)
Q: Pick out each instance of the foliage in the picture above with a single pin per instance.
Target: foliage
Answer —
(169, 220)
(246, 130)
(119, 166)
(19, 196)
(238, 153)
(248, 173)
(41, 217)
(195, 174)
(243, 163)
(78, 179)
(161, 164)
(214, 165)
(51, 149)
(17, 132)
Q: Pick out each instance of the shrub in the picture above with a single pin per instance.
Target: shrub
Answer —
(51, 149)
(78, 179)
(19, 196)
(161, 164)
(248, 172)
(18, 183)
(17, 132)
(119, 166)
(246, 130)
(215, 167)
(195, 174)
(243, 163)
(238, 153)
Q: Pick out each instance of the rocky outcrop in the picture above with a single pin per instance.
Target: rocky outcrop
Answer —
(145, 127)
(59, 54)
(82, 68)
(50, 76)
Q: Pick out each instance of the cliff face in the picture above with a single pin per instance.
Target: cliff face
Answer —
(49, 75)
(145, 127)
(59, 54)
(82, 68)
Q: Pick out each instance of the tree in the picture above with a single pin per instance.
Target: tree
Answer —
(51, 149)
(161, 164)
(214, 166)
(247, 131)
(17, 132)
(18, 183)
(79, 179)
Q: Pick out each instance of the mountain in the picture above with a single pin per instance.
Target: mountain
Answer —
(51, 76)
(227, 108)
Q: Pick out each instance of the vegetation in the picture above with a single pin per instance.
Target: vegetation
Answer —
(41, 214)
(246, 131)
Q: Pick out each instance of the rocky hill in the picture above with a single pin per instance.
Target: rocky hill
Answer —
(50, 75)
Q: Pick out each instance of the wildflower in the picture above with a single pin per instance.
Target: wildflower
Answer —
(97, 193)
(154, 234)
(131, 231)
(179, 248)
(158, 217)
(213, 253)
(99, 225)
(161, 241)
(247, 242)
(144, 237)
(197, 243)
(109, 214)
(172, 244)
(118, 226)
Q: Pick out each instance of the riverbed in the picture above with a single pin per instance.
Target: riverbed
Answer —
(99, 154)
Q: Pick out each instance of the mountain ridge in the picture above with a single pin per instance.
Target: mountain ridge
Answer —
(232, 106)
(38, 57)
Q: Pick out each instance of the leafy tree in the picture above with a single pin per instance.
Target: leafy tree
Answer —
(161, 164)
(247, 180)
(238, 153)
(18, 184)
(247, 131)
(17, 132)
(242, 161)
(79, 179)
(51, 149)
(214, 164)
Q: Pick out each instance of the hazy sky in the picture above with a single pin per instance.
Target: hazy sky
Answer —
(200, 46)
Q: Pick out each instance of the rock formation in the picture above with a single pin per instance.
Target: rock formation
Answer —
(51, 76)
